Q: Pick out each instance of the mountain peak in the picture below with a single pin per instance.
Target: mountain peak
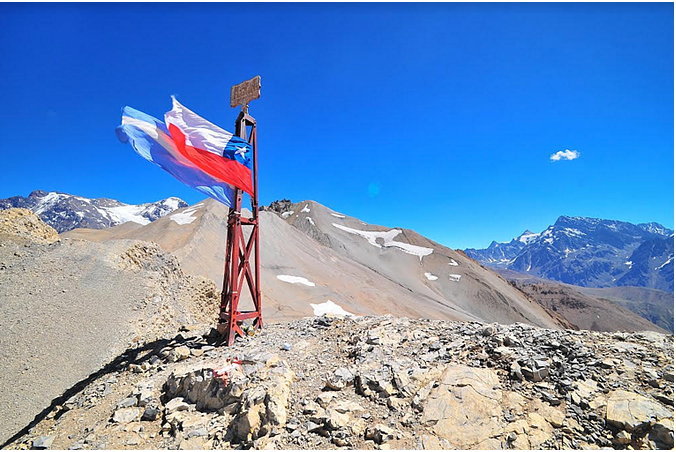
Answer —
(527, 237)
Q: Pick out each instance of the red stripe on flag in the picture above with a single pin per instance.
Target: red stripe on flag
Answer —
(223, 168)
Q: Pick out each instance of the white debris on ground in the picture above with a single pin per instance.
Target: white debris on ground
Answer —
(295, 280)
(454, 277)
(185, 217)
(453, 263)
(306, 208)
(388, 240)
(337, 215)
(287, 214)
(431, 277)
(310, 220)
(330, 308)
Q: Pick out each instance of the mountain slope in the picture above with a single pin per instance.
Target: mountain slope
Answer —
(67, 307)
(64, 212)
(591, 252)
(651, 304)
(409, 276)
(587, 312)
(417, 264)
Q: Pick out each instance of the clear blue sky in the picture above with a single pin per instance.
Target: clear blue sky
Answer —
(436, 117)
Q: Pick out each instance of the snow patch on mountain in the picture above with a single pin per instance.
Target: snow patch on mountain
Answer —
(295, 280)
(671, 258)
(185, 217)
(388, 240)
(331, 308)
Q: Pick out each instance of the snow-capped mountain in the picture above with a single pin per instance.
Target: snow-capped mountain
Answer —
(590, 252)
(65, 212)
(501, 254)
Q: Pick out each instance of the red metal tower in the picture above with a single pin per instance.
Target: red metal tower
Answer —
(239, 250)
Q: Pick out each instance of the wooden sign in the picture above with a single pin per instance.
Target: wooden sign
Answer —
(245, 92)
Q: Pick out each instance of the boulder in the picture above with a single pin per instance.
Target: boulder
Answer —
(630, 411)
(462, 409)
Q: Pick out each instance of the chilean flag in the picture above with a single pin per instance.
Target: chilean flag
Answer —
(193, 150)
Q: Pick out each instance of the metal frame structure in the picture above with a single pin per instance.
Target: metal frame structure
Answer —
(239, 251)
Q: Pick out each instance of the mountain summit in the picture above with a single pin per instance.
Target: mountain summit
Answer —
(590, 252)
(64, 212)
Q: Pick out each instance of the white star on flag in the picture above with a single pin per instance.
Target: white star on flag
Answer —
(241, 151)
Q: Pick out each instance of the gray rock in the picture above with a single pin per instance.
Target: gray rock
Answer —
(179, 354)
(176, 404)
(379, 433)
(489, 330)
(43, 442)
(125, 415)
(622, 438)
(144, 397)
(127, 403)
(340, 379)
(200, 432)
(150, 413)
(286, 346)
(515, 372)
(663, 433)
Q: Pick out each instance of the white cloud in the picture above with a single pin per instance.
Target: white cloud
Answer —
(564, 155)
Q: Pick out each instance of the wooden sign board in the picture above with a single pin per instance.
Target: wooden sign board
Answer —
(245, 92)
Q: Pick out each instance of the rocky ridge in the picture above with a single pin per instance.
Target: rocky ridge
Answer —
(24, 223)
(377, 383)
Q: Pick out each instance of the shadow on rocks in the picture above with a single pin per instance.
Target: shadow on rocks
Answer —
(131, 357)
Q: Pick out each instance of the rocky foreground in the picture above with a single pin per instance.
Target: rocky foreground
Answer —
(375, 383)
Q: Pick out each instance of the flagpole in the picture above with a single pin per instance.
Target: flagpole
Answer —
(238, 250)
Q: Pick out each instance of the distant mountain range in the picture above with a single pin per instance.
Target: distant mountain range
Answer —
(590, 252)
(64, 212)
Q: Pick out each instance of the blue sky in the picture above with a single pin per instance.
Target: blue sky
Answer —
(436, 117)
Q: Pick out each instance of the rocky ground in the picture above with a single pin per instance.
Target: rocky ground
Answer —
(68, 307)
(375, 383)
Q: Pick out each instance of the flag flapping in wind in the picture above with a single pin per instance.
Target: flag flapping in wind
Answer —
(196, 152)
